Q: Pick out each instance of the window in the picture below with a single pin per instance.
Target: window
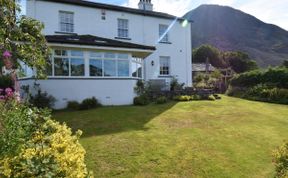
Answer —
(123, 31)
(68, 63)
(164, 65)
(162, 30)
(137, 67)
(66, 21)
(109, 64)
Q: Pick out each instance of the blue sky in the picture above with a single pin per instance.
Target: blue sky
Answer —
(275, 12)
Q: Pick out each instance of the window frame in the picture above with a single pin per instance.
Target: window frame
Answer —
(125, 29)
(69, 24)
(165, 38)
(162, 71)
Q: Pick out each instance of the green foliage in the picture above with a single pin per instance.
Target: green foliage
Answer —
(6, 82)
(277, 77)
(33, 145)
(42, 100)
(22, 36)
(281, 161)
(140, 87)
(285, 63)
(89, 103)
(183, 98)
(73, 105)
(240, 62)
(161, 100)
(175, 85)
(141, 100)
(211, 97)
(204, 52)
(18, 122)
(196, 97)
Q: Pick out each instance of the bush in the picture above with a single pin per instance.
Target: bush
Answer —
(281, 161)
(217, 97)
(33, 145)
(42, 100)
(182, 98)
(196, 97)
(141, 100)
(73, 105)
(89, 103)
(211, 97)
(6, 82)
(161, 100)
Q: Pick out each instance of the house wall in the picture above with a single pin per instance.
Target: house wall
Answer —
(142, 30)
(107, 91)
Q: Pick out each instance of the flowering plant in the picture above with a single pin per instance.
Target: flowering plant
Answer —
(6, 93)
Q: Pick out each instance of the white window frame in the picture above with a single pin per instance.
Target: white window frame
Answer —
(66, 25)
(139, 63)
(123, 28)
(164, 72)
(162, 30)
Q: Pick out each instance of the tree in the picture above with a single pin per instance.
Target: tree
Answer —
(285, 63)
(240, 62)
(204, 52)
(21, 36)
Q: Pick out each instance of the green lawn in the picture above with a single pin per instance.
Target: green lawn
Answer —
(226, 138)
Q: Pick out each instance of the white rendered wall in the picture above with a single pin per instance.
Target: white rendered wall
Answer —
(106, 91)
(142, 30)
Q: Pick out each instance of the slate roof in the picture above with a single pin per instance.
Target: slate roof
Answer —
(201, 67)
(94, 41)
(116, 8)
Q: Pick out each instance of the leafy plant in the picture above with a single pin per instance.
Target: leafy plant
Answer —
(42, 100)
(211, 97)
(161, 100)
(89, 103)
(182, 98)
(141, 100)
(281, 161)
(175, 85)
(73, 105)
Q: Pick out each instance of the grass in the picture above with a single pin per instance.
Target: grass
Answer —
(226, 138)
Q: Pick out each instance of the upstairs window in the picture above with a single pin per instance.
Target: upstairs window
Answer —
(164, 65)
(123, 31)
(66, 21)
(163, 33)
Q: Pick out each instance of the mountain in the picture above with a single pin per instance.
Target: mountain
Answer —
(231, 29)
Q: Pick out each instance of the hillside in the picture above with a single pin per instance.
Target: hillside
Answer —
(231, 29)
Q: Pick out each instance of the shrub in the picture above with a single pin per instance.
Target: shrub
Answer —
(161, 100)
(182, 98)
(211, 97)
(33, 145)
(89, 103)
(42, 100)
(280, 159)
(175, 85)
(141, 100)
(73, 105)
(217, 97)
(196, 97)
(6, 82)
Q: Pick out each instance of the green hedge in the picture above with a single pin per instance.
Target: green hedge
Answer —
(277, 77)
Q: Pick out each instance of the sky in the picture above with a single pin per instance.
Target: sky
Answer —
(274, 12)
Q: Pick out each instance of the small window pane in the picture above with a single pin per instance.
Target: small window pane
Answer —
(77, 67)
(164, 65)
(123, 68)
(134, 69)
(162, 31)
(77, 53)
(123, 28)
(95, 54)
(109, 67)
(109, 55)
(139, 70)
(96, 68)
(61, 67)
(66, 21)
(123, 56)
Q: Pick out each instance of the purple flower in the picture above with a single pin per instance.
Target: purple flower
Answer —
(2, 97)
(7, 54)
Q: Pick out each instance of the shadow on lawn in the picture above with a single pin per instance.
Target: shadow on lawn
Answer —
(111, 119)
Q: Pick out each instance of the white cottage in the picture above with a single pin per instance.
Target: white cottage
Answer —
(102, 50)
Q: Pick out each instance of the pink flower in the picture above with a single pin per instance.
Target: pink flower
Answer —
(8, 90)
(7, 54)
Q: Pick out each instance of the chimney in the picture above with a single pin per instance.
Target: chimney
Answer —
(145, 5)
